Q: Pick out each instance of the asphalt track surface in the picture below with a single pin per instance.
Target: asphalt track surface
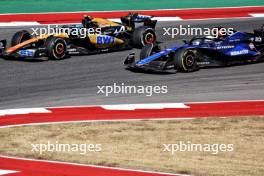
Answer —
(74, 81)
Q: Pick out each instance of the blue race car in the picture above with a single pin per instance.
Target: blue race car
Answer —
(240, 47)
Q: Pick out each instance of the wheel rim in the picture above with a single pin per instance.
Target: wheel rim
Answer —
(149, 38)
(189, 60)
(59, 49)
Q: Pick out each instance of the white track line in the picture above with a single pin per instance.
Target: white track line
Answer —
(257, 14)
(5, 172)
(5, 24)
(23, 111)
(144, 106)
(205, 102)
(106, 107)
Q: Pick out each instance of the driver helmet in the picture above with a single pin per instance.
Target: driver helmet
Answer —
(87, 20)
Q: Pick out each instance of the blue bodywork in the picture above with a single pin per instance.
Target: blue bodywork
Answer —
(140, 18)
(156, 56)
(236, 46)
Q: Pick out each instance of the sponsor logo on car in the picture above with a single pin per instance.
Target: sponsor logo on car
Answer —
(240, 52)
(120, 30)
(143, 17)
(26, 53)
(203, 63)
(225, 47)
(105, 40)
(256, 39)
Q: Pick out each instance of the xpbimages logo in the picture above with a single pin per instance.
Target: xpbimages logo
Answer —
(59, 147)
(182, 146)
(147, 90)
(197, 31)
(70, 31)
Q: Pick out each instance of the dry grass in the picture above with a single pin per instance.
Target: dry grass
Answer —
(138, 145)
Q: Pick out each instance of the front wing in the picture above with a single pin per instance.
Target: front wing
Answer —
(153, 62)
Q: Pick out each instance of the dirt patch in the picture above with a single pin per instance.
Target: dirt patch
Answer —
(139, 144)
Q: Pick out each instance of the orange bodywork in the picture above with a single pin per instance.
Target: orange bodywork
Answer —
(33, 40)
(107, 23)
(104, 22)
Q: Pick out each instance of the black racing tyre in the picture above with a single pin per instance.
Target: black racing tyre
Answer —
(149, 50)
(20, 37)
(186, 60)
(142, 36)
(56, 48)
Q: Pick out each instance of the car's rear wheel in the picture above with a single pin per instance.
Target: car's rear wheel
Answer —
(143, 36)
(186, 60)
(56, 48)
(149, 50)
(20, 37)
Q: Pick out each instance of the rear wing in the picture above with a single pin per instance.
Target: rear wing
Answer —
(133, 18)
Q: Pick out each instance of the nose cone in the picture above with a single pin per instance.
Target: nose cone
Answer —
(119, 41)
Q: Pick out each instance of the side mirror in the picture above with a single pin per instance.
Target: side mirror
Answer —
(3, 44)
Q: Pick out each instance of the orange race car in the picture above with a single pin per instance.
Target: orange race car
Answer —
(94, 35)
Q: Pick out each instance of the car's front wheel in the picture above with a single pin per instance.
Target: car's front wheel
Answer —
(20, 37)
(56, 48)
(186, 60)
